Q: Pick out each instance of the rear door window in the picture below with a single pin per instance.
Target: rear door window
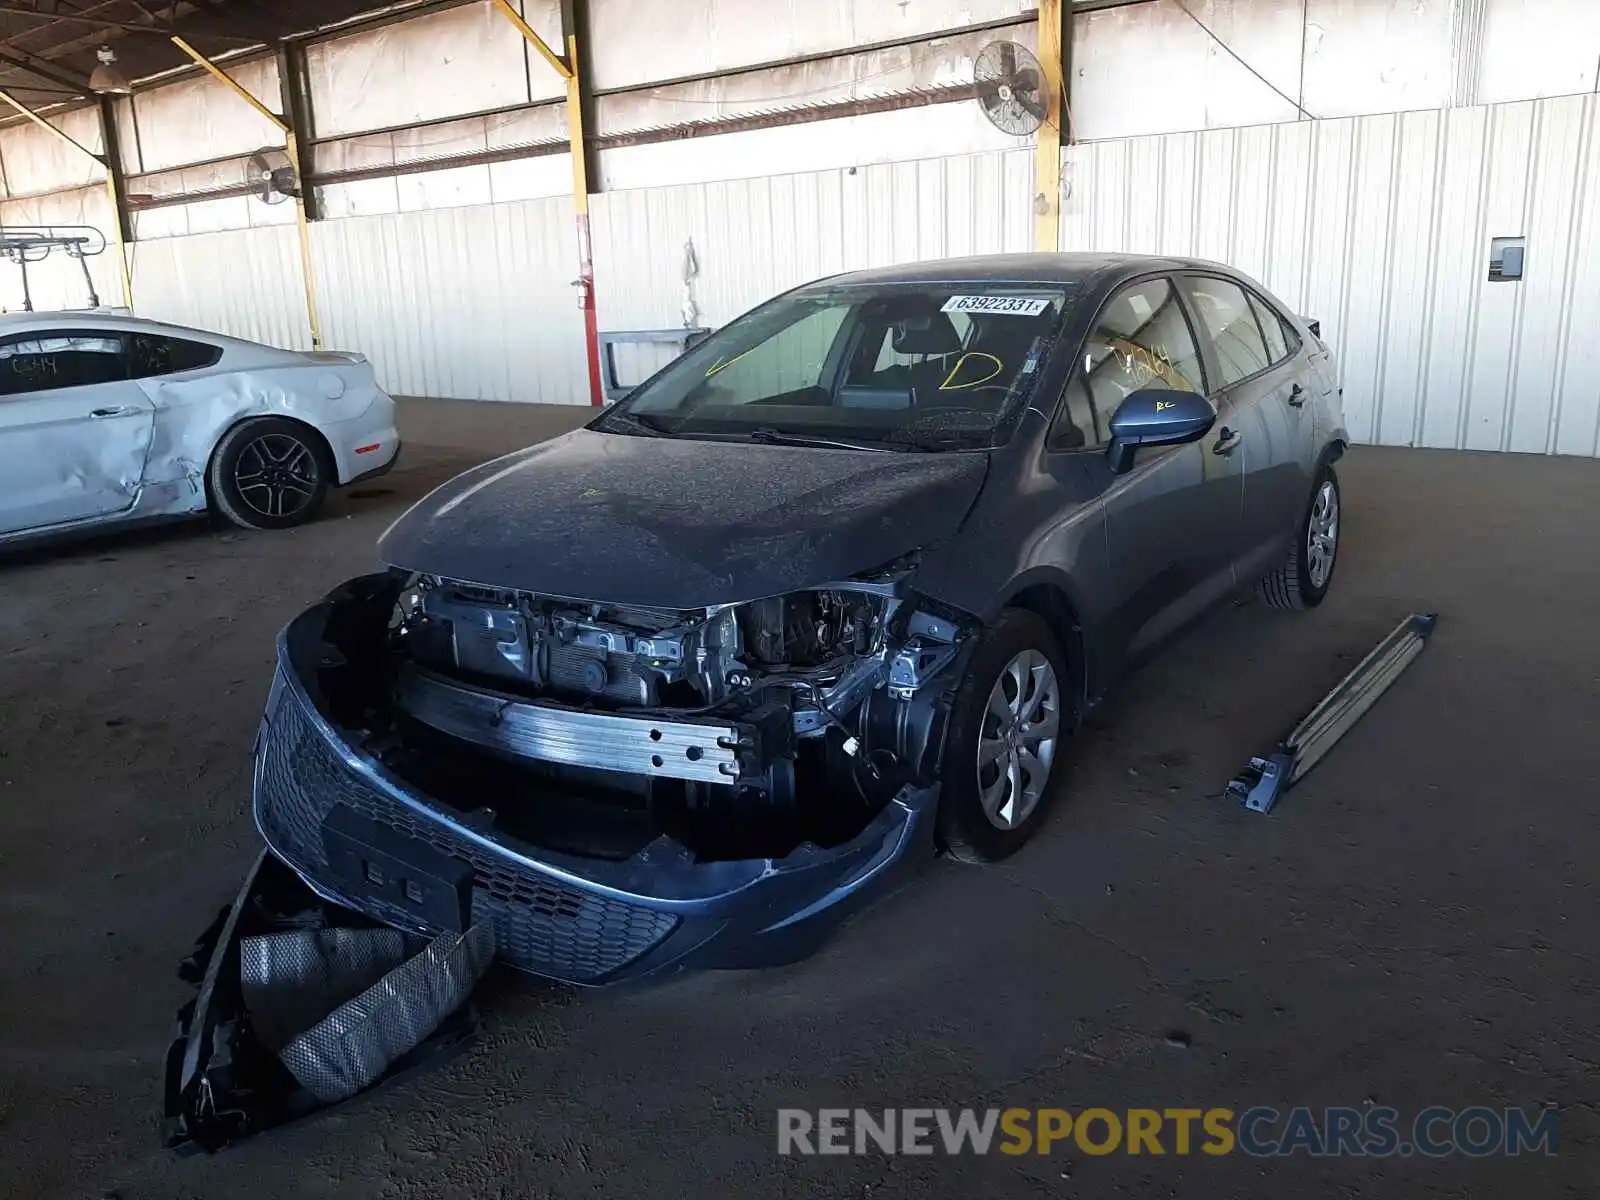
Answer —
(1282, 341)
(1225, 314)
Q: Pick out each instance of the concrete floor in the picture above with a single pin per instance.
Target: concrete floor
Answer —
(1415, 925)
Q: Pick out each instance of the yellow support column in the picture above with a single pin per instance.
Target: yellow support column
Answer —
(567, 67)
(121, 224)
(292, 149)
(113, 174)
(1047, 155)
(123, 262)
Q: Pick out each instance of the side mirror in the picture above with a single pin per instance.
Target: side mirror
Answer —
(1157, 417)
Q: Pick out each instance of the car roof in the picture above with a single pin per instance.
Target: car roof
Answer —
(115, 320)
(1080, 269)
(90, 318)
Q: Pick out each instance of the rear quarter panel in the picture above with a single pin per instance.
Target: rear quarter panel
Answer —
(195, 408)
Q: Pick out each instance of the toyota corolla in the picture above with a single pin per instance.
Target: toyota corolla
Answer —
(830, 592)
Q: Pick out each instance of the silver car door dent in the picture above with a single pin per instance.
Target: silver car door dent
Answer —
(70, 455)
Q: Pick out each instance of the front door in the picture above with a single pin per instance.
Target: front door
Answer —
(1173, 520)
(74, 431)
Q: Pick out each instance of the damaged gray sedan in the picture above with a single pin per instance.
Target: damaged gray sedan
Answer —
(832, 590)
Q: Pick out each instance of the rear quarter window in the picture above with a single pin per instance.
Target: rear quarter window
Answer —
(153, 354)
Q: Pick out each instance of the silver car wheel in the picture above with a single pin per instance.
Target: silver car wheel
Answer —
(1322, 534)
(1017, 739)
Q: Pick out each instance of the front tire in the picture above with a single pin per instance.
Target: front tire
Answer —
(1007, 727)
(269, 473)
(1302, 580)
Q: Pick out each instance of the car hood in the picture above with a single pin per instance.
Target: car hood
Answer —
(679, 523)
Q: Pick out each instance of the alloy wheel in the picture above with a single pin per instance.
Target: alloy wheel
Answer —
(276, 474)
(1017, 739)
(1322, 534)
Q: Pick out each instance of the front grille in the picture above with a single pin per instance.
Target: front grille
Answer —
(540, 925)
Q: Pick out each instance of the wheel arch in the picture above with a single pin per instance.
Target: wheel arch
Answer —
(318, 440)
(1049, 596)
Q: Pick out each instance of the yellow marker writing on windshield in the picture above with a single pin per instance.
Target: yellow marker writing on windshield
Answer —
(726, 362)
(947, 386)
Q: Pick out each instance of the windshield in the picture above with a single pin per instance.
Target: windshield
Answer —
(910, 367)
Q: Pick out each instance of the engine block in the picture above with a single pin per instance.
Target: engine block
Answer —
(624, 655)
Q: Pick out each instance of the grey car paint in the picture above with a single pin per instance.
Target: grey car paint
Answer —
(1138, 555)
(1129, 558)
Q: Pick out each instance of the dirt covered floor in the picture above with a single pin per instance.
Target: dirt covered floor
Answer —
(1416, 924)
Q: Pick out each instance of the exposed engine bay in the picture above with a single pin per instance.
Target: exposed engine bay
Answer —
(738, 730)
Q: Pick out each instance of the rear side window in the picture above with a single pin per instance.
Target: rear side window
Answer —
(153, 354)
(1282, 340)
(1140, 340)
(1225, 314)
(49, 361)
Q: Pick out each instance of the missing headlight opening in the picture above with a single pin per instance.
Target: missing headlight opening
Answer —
(739, 731)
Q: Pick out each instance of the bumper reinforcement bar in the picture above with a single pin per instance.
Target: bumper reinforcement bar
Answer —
(1261, 783)
(706, 752)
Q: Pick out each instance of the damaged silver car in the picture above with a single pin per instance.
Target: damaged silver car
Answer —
(109, 420)
(829, 592)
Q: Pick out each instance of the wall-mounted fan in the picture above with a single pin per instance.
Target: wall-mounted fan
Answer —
(1011, 87)
(273, 176)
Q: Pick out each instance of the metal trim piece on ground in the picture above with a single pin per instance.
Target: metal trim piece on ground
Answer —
(1266, 779)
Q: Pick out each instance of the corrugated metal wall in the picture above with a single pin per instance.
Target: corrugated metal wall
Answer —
(242, 282)
(468, 303)
(754, 238)
(57, 280)
(1380, 226)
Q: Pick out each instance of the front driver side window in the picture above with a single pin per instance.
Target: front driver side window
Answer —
(1140, 340)
(48, 361)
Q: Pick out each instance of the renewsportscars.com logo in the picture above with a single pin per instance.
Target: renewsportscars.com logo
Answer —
(1261, 1131)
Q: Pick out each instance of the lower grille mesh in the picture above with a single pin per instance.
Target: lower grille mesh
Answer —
(540, 925)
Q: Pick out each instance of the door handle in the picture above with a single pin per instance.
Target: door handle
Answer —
(1227, 441)
(121, 410)
(1297, 396)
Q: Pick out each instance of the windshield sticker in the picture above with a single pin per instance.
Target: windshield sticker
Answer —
(1011, 306)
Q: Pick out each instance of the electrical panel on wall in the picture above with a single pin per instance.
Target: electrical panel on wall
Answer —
(1505, 258)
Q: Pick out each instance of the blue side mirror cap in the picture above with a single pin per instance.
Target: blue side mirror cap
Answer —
(1157, 417)
(1162, 417)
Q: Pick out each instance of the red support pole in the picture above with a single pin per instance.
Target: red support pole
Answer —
(591, 324)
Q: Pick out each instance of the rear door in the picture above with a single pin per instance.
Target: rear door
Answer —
(74, 430)
(1257, 378)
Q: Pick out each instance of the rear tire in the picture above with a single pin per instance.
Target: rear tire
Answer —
(1302, 580)
(269, 473)
(1010, 721)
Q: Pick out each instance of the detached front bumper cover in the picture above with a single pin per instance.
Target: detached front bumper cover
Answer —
(300, 1004)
